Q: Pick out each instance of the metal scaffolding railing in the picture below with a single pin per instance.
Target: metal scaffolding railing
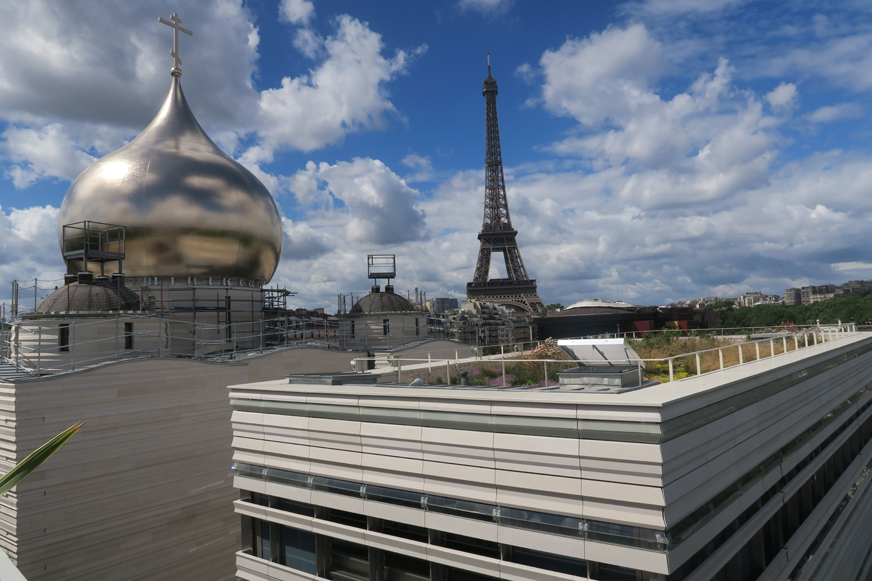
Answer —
(71, 344)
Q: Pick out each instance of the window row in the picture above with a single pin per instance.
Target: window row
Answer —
(687, 526)
(605, 532)
(342, 560)
(750, 562)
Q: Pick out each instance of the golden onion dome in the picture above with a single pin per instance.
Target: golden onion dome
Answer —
(188, 208)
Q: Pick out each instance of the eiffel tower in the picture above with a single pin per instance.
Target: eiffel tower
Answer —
(497, 234)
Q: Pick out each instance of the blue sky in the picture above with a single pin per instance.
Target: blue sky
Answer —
(655, 150)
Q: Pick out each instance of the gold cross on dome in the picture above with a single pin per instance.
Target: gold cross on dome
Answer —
(175, 25)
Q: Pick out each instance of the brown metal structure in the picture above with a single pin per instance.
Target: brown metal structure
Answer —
(497, 235)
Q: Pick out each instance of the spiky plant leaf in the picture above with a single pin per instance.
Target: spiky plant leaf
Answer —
(36, 458)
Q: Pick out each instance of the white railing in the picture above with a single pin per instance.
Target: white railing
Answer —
(808, 337)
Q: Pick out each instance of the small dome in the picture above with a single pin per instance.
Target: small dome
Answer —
(92, 297)
(382, 302)
(188, 208)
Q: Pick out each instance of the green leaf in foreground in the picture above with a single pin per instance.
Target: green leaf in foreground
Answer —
(36, 458)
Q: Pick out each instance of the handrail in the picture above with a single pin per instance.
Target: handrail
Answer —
(826, 334)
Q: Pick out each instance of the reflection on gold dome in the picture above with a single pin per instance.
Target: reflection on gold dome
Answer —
(189, 209)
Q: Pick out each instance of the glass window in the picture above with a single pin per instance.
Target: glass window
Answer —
(298, 549)
(296, 507)
(402, 568)
(64, 337)
(462, 508)
(616, 573)
(287, 477)
(625, 535)
(386, 326)
(342, 517)
(338, 486)
(249, 471)
(538, 521)
(128, 335)
(264, 541)
(472, 545)
(405, 531)
(392, 496)
(549, 561)
(349, 560)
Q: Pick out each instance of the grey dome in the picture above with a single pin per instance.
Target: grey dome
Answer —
(382, 302)
(94, 297)
(189, 208)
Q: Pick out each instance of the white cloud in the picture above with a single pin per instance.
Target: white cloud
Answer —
(296, 11)
(77, 61)
(710, 142)
(308, 42)
(845, 59)
(344, 94)
(526, 73)
(486, 6)
(782, 97)
(375, 205)
(838, 112)
(602, 77)
(302, 241)
(42, 152)
(415, 161)
(673, 8)
(57, 119)
(77, 78)
(28, 246)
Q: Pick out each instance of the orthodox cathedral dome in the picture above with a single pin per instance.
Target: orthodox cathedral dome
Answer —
(188, 208)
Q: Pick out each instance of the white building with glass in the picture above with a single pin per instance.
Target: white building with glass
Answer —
(754, 472)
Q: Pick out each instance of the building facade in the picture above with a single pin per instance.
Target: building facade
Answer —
(758, 471)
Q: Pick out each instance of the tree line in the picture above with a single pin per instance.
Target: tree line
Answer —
(846, 308)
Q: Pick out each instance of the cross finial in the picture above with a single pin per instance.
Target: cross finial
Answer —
(175, 25)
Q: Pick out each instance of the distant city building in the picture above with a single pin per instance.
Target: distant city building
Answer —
(793, 296)
(444, 304)
(856, 286)
(753, 299)
(817, 293)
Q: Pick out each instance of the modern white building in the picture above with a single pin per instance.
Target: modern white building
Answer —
(757, 471)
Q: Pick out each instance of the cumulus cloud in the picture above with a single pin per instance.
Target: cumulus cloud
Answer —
(604, 77)
(782, 97)
(344, 94)
(42, 152)
(486, 6)
(28, 246)
(375, 204)
(830, 113)
(710, 142)
(296, 11)
(302, 241)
